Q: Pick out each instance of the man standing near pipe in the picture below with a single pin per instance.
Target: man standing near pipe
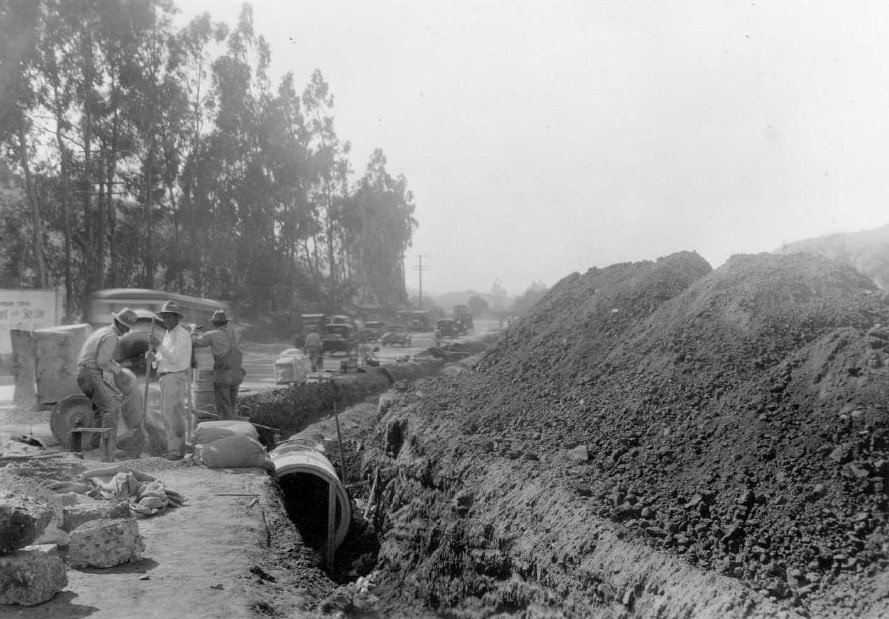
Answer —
(172, 357)
(228, 369)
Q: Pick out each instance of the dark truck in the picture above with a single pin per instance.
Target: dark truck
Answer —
(448, 328)
(338, 337)
(463, 317)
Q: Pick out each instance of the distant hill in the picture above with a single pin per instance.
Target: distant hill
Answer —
(866, 251)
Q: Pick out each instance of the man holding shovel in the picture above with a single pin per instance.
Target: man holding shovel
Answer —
(172, 357)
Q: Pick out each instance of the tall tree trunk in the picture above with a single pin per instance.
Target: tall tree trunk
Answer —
(110, 173)
(86, 184)
(100, 220)
(66, 206)
(148, 257)
(34, 204)
(331, 249)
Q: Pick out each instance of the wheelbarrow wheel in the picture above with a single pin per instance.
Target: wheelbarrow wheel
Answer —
(73, 411)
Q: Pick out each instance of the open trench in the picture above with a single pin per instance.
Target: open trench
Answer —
(436, 530)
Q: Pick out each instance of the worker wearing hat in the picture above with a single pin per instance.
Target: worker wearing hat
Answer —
(96, 369)
(172, 358)
(228, 371)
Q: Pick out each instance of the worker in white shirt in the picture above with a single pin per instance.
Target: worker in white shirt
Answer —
(172, 358)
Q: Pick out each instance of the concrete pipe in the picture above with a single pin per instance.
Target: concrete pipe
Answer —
(305, 475)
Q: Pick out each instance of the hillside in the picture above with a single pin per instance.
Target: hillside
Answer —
(866, 251)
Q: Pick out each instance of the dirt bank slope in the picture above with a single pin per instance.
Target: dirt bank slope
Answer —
(734, 420)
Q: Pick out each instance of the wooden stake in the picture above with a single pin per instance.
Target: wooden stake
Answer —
(339, 438)
(331, 524)
(373, 492)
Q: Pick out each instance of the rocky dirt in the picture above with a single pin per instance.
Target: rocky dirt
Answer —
(654, 439)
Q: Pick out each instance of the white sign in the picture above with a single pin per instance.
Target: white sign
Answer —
(29, 310)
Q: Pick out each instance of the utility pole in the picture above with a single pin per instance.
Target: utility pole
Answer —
(420, 267)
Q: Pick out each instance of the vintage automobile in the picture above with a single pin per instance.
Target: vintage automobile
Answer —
(338, 338)
(396, 334)
(373, 329)
(463, 317)
(449, 328)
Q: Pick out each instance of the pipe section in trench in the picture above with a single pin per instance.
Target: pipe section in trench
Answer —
(305, 476)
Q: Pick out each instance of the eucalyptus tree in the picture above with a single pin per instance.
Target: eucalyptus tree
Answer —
(58, 67)
(330, 169)
(194, 42)
(20, 22)
(385, 209)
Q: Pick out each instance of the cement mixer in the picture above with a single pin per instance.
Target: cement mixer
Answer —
(136, 431)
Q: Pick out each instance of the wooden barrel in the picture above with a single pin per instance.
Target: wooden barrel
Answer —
(202, 397)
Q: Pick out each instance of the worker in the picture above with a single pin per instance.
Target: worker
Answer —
(96, 370)
(172, 358)
(228, 371)
(314, 349)
(436, 336)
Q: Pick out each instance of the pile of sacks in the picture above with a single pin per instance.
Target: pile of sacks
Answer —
(229, 444)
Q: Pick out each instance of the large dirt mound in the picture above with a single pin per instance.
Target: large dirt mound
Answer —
(736, 417)
(867, 251)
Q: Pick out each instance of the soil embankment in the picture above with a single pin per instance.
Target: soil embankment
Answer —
(656, 438)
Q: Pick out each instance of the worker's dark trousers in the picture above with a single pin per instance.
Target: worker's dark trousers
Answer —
(104, 399)
(225, 400)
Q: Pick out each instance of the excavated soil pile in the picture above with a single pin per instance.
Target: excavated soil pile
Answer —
(733, 421)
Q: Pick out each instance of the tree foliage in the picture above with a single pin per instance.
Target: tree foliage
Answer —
(139, 154)
(528, 299)
(477, 305)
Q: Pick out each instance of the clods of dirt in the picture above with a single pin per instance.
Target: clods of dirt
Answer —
(730, 422)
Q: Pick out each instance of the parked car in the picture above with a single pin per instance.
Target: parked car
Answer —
(448, 328)
(338, 338)
(396, 334)
(373, 329)
(339, 319)
(464, 318)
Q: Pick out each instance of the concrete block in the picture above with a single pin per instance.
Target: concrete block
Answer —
(31, 575)
(57, 349)
(22, 520)
(75, 515)
(105, 543)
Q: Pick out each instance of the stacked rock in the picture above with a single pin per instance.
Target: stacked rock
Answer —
(29, 574)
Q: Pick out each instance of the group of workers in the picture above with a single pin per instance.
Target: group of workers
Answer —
(170, 355)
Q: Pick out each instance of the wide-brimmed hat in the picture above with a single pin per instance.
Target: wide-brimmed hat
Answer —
(126, 317)
(171, 307)
(219, 317)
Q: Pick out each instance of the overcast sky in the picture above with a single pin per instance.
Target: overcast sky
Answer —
(546, 137)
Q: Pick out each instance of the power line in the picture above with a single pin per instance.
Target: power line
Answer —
(419, 268)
